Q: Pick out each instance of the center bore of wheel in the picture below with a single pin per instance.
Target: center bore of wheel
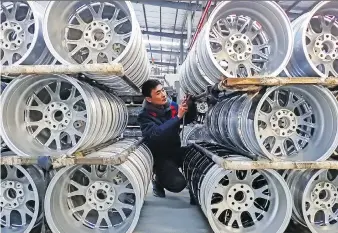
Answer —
(100, 195)
(239, 47)
(326, 47)
(283, 122)
(57, 115)
(12, 35)
(324, 195)
(98, 35)
(240, 197)
(12, 194)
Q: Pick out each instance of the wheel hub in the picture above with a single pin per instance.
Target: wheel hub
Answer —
(324, 195)
(12, 194)
(239, 47)
(101, 195)
(98, 35)
(202, 107)
(57, 115)
(283, 123)
(240, 197)
(326, 47)
(12, 35)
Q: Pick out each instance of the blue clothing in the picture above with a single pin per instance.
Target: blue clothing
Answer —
(160, 127)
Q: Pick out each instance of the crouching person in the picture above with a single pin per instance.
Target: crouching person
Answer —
(160, 121)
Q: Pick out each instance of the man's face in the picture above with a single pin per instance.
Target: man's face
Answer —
(158, 96)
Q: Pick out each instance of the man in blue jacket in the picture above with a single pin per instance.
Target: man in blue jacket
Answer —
(160, 121)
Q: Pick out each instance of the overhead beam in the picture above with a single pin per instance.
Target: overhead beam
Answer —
(170, 4)
(168, 52)
(165, 34)
(164, 63)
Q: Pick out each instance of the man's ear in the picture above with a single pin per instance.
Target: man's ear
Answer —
(148, 99)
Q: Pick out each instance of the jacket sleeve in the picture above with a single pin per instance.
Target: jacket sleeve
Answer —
(152, 131)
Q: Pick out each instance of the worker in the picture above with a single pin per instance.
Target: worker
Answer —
(160, 121)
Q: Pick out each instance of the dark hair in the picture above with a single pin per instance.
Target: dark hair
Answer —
(148, 86)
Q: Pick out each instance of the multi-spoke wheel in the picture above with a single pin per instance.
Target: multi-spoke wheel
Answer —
(237, 201)
(292, 123)
(315, 195)
(58, 114)
(84, 32)
(108, 198)
(316, 42)
(240, 39)
(22, 189)
(21, 40)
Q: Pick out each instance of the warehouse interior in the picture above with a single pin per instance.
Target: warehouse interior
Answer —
(261, 78)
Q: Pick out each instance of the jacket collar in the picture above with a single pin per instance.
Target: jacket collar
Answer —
(158, 110)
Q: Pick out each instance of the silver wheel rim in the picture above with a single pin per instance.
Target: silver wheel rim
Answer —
(285, 123)
(21, 40)
(277, 214)
(19, 200)
(61, 115)
(297, 120)
(240, 39)
(98, 32)
(114, 194)
(315, 199)
(316, 37)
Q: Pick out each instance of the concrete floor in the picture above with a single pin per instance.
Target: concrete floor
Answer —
(172, 214)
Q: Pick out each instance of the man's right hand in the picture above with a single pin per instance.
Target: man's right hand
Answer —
(182, 109)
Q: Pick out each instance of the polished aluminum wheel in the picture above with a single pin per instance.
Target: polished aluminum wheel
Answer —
(97, 32)
(22, 189)
(58, 114)
(315, 195)
(240, 39)
(237, 201)
(21, 40)
(316, 42)
(289, 123)
(108, 198)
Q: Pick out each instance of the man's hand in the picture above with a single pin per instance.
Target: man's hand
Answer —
(182, 109)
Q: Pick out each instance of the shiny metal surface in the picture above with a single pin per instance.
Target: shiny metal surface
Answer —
(57, 114)
(288, 123)
(97, 32)
(316, 37)
(21, 39)
(107, 198)
(240, 39)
